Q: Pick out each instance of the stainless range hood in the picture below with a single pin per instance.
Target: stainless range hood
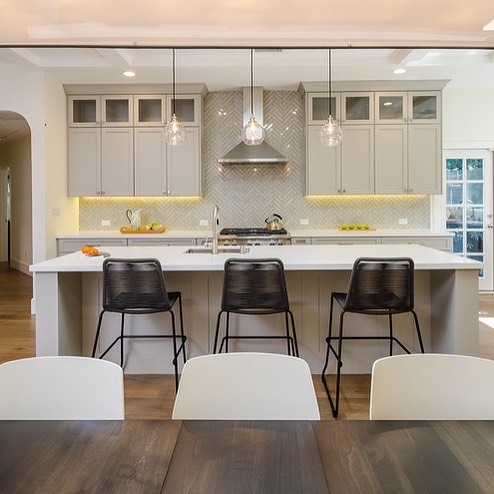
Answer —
(263, 153)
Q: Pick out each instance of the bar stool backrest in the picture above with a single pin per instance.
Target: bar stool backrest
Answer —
(381, 285)
(254, 286)
(134, 286)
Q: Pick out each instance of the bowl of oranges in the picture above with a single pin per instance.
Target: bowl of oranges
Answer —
(92, 251)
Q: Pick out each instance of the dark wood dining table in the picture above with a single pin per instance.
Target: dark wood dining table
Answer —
(235, 457)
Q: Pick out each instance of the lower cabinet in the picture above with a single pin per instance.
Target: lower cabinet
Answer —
(67, 246)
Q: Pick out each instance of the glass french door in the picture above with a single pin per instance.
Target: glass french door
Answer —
(469, 207)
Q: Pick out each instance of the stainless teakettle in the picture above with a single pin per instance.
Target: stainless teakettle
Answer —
(273, 222)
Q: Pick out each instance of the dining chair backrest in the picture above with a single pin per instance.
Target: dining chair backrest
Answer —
(246, 386)
(61, 388)
(432, 387)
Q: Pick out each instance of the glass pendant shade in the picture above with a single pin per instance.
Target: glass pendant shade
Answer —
(175, 133)
(331, 133)
(253, 132)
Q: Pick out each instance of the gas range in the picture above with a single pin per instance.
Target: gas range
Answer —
(253, 236)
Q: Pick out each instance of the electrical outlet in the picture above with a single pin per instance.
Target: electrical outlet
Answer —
(105, 222)
(403, 221)
(304, 222)
(203, 223)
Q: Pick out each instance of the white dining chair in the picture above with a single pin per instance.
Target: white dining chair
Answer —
(61, 388)
(432, 387)
(246, 386)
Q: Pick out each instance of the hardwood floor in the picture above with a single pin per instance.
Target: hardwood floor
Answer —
(152, 396)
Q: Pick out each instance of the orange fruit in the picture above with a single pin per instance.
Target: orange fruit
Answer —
(85, 249)
(94, 251)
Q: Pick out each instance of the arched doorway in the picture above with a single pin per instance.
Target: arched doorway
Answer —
(15, 191)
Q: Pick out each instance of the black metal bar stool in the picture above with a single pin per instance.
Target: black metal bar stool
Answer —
(255, 286)
(137, 286)
(378, 286)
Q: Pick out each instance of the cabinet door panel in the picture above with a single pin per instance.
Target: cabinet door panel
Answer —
(117, 177)
(183, 166)
(424, 159)
(357, 159)
(322, 166)
(150, 162)
(391, 159)
(84, 174)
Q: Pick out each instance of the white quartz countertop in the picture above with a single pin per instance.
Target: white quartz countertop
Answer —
(294, 257)
(368, 233)
(116, 234)
(294, 233)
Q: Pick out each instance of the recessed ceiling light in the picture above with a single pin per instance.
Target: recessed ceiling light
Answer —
(399, 71)
(129, 73)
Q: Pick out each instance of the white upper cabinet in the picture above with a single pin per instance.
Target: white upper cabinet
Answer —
(392, 141)
(105, 111)
(187, 109)
(113, 138)
(163, 170)
(317, 108)
(418, 107)
(357, 108)
(149, 110)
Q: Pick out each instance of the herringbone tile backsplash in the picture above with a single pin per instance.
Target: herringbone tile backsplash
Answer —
(247, 194)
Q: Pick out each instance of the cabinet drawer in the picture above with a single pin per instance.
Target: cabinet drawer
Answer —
(439, 243)
(344, 241)
(66, 246)
(164, 242)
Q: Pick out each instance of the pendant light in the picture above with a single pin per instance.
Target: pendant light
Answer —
(175, 133)
(331, 133)
(253, 131)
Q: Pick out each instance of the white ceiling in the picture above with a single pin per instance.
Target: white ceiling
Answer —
(94, 41)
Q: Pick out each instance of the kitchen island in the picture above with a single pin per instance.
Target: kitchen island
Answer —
(67, 293)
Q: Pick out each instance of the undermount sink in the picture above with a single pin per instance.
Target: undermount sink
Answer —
(221, 250)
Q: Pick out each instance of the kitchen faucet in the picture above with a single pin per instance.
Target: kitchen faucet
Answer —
(214, 230)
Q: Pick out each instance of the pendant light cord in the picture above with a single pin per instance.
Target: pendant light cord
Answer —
(329, 83)
(173, 81)
(252, 81)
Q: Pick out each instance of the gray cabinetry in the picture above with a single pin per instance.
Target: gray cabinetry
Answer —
(392, 143)
(111, 139)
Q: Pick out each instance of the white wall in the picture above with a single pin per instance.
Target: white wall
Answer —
(468, 117)
(41, 102)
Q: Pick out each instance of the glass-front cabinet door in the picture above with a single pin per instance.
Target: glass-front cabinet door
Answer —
(391, 108)
(424, 107)
(84, 111)
(117, 111)
(149, 110)
(318, 107)
(187, 109)
(357, 108)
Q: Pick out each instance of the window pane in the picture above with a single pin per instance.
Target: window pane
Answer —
(481, 259)
(454, 218)
(454, 169)
(475, 241)
(454, 193)
(424, 107)
(475, 169)
(390, 107)
(475, 217)
(475, 193)
(458, 243)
